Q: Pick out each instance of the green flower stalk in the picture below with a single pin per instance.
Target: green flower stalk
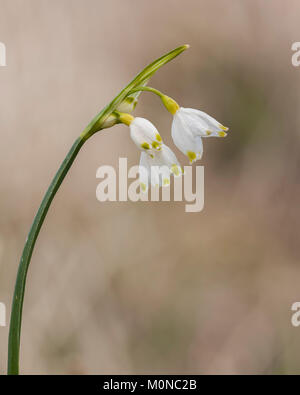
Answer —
(124, 102)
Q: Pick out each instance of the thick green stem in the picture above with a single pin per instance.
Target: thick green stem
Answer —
(17, 305)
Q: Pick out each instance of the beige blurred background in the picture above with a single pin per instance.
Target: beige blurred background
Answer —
(145, 287)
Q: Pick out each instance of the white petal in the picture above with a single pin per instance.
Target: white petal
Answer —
(144, 172)
(196, 125)
(149, 171)
(212, 122)
(201, 123)
(145, 135)
(165, 175)
(166, 156)
(160, 175)
(155, 175)
(199, 147)
(160, 166)
(185, 140)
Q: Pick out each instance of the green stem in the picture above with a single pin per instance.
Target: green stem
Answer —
(168, 102)
(94, 126)
(17, 306)
(148, 89)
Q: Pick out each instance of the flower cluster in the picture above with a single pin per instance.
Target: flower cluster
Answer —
(158, 162)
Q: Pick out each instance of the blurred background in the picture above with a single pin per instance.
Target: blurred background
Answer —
(139, 288)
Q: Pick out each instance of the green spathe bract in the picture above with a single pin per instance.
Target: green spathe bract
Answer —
(141, 79)
(94, 126)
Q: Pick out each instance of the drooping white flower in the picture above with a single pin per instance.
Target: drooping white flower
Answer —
(145, 135)
(188, 128)
(157, 169)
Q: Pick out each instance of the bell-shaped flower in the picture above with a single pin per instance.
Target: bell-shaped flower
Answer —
(188, 128)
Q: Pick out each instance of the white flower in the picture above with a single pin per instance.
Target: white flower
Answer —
(157, 161)
(188, 128)
(158, 167)
(145, 135)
